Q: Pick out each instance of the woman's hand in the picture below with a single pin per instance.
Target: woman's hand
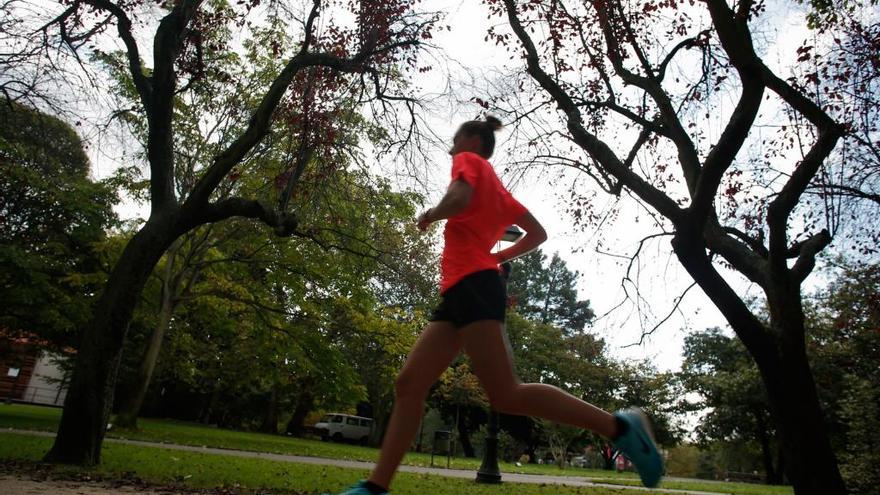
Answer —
(424, 220)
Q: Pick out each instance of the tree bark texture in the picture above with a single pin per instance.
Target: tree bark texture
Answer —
(464, 436)
(304, 405)
(778, 349)
(90, 396)
(780, 354)
(270, 417)
(800, 420)
(128, 415)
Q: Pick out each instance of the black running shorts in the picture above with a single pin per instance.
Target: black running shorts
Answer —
(478, 296)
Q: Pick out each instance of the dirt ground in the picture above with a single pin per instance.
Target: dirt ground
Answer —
(25, 485)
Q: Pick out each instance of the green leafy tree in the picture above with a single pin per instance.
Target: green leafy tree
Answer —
(375, 343)
(546, 292)
(845, 349)
(459, 395)
(291, 287)
(333, 60)
(540, 356)
(338, 197)
(559, 438)
(232, 360)
(718, 369)
(640, 384)
(683, 461)
(861, 459)
(53, 223)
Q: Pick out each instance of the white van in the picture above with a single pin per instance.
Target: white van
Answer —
(338, 427)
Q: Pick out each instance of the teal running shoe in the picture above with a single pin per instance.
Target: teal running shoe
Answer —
(357, 489)
(637, 444)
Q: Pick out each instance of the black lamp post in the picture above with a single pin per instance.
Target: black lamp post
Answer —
(489, 471)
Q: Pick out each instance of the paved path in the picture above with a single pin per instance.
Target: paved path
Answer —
(22, 485)
(451, 473)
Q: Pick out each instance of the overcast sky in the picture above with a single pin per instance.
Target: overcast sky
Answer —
(661, 278)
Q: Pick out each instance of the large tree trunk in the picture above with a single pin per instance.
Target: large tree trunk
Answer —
(270, 418)
(90, 396)
(128, 415)
(304, 405)
(208, 407)
(780, 354)
(811, 465)
(380, 423)
(766, 451)
(464, 436)
(780, 467)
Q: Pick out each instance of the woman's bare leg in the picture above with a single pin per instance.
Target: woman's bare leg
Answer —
(437, 346)
(485, 341)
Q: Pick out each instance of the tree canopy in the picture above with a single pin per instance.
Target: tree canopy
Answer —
(53, 224)
(547, 292)
(632, 105)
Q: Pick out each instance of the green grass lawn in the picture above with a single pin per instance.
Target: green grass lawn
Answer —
(714, 486)
(29, 417)
(169, 431)
(46, 419)
(196, 470)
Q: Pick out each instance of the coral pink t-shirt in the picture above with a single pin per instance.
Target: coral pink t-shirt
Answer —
(470, 235)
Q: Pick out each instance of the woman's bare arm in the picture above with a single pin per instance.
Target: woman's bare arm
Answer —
(535, 236)
(457, 198)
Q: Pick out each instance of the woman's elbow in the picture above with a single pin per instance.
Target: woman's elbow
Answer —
(540, 236)
(534, 230)
(537, 235)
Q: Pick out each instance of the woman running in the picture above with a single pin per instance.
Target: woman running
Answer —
(470, 317)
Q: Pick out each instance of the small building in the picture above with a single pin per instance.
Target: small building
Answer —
(29, 373)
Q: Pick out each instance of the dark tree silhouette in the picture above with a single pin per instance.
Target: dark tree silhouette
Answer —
(366, 61)
(612, 71)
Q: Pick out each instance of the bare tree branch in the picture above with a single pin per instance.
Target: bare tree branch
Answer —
(737, 43)
(123, 26)
(309, 26)
(677, 302)
(260, 120)
(688, 157)
(807, 254)
(848, 191)
(683, 44)
(588, 141)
